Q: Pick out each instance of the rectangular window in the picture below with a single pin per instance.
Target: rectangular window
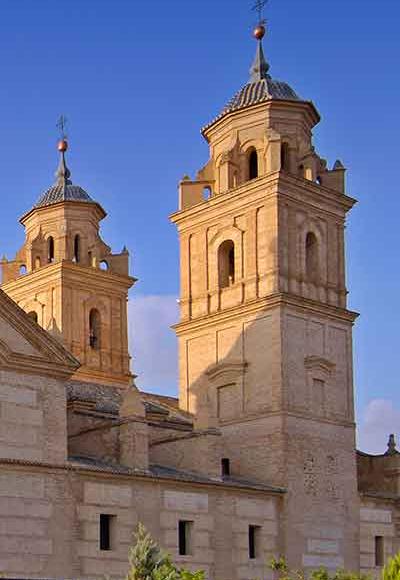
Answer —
(184, 537)
(106, 525)
(254, 538)
(379, 551)
(225, 467)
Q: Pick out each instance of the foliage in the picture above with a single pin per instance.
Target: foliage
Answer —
(392, 569)
(320, 574)
(148, 562)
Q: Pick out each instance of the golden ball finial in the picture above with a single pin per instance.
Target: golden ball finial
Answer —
(259, 32)
(62, 145)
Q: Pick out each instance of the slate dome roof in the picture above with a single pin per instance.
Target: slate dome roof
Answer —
(63, 192)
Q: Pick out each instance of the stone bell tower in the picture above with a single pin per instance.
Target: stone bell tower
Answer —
(70, 282)
(265, 337)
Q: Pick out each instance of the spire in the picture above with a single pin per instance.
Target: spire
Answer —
(391, 450)
(63, 174)
(260, 67)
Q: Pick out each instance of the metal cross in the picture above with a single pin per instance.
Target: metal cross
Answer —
(258, 7)
(61, 124)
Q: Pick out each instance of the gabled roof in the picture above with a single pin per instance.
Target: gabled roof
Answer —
(26, 347)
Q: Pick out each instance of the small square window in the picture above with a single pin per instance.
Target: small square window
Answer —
(185, 537)
(254, 541)
(106, 526)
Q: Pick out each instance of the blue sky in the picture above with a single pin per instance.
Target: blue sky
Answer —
(137, 80)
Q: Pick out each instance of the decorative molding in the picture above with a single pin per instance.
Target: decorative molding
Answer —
(319, 363)
(228, 371)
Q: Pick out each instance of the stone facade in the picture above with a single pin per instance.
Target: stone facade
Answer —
(257, 457)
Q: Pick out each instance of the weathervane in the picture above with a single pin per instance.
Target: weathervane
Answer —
(63, 143)
(61, 125)
(259, 7)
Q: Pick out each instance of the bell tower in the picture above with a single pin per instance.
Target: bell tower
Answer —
(70, 282)
(265, 336)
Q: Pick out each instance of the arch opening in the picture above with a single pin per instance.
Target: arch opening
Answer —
(103, 265)
(33, 315)
(50, 249)
(94, 329)
(77, 248)
(226, 264)
(23, 270)
(253, 164)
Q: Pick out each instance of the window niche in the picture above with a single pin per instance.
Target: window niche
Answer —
(106, 531)
(254, 541)
(33, 316)
(379, 551)
(253, 164)
(77, 248)
(50, 249)
(312, 257)
(226, 264)
(185, 530)
(94, 329)
(285, 157)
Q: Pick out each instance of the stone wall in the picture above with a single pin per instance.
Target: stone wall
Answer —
(379, 518)
(49, 523)
(33, 418)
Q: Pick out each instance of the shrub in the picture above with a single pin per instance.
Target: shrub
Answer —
(148, 562)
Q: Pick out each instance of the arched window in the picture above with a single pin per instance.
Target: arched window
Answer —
(50, 249)
(253, 164)
(103, 265)
(94, 329)
(23, 270)
(312, 266)
(33, 315)
(37, 262)
(77, 248)
(285, 157)
(226, 264)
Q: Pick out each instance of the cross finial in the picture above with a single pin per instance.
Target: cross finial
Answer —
(61, 125)
(259, 8)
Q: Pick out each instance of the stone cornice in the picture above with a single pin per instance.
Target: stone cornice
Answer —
(259, 305)
(216, 124)
(276, 185)
(101, 213)
(66, 270)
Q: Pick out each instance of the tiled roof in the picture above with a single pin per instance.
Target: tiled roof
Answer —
(259, 91)
(63, 192)
(106, 399)
(163, 472)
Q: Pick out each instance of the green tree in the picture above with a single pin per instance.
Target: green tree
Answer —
(392, 569)
(148, 562)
